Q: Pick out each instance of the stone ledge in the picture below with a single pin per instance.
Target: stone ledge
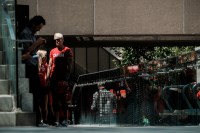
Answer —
(4, 87)
(7, 119)
(11, 119)
(25, 119)
(6, 103)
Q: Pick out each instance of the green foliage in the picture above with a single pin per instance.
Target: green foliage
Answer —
(135, 55)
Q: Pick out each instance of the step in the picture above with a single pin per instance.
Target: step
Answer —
(4, 86)
(23, 85)
(25, 98)
(21, 70)
(6, 103)
(1, 57)
(19, 55)
(1, 46)
(25, 119)
(7, 119)
(26, 102)
(11, 119)
(12, 56)
(4, 72)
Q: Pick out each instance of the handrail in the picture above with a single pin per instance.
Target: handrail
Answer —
(165, 89)
(11, 37)
(8, 20)
(9, 23)
(185, 97)
(193, 91)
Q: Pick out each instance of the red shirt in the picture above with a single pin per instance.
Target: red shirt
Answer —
(198, 94)
(60, 62)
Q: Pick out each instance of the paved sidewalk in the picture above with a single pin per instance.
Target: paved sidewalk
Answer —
(102, 129)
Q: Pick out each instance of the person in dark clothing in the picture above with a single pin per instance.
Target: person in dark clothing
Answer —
(30, 45)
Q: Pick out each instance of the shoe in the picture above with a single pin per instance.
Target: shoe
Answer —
(65, 123)
(42, 124)
(57, 124)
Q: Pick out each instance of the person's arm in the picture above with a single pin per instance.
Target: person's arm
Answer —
(69, 68)
(40, 41)
(69, 62)
(39, 60)
(94, 101)
(49, 68)
(27, 54)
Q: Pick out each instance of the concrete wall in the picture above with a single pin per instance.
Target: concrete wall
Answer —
(105, 17)
(192, 17)
(70, 17)
(114, 17)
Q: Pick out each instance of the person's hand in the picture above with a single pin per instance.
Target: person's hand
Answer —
(41, 41)
(26, 56)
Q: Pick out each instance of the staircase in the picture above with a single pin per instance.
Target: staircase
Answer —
(16, 103)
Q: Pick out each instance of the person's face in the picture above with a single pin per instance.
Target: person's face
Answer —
(37, 27)
(59, 42)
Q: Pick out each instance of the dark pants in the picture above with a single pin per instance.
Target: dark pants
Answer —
(34, 85)
(59, 96)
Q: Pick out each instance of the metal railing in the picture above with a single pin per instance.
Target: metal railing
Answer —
(9, 43)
